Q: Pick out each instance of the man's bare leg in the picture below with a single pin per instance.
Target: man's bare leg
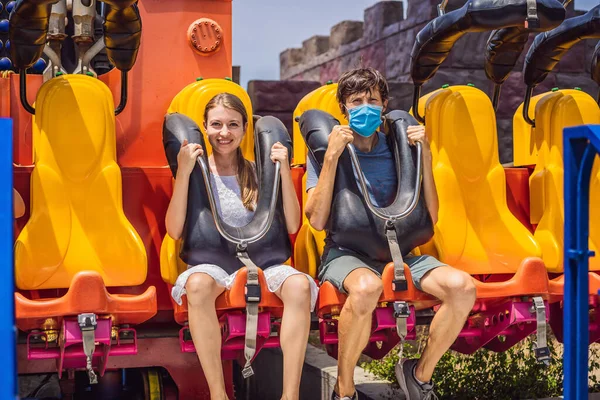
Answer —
(457, 292)
(354, 327)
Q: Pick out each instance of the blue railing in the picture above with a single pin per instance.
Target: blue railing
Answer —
(581, 145)
(8, 377)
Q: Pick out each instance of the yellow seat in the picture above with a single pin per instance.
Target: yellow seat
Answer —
(475, 232)
(191, 101)
(77, 221)
(555, 111)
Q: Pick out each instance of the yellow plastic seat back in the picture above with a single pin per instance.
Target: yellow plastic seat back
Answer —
(77, 221)
(475, 231)
(554, 112)
(191, 101)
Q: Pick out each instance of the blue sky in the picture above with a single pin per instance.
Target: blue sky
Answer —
(264, 28)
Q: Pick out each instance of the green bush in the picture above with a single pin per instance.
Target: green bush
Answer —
(514, 374)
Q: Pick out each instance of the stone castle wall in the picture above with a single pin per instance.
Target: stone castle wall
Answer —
(384, 41)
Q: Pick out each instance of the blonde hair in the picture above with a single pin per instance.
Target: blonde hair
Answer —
(245, 170)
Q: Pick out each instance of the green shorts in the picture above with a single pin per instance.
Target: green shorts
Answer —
(339, 264)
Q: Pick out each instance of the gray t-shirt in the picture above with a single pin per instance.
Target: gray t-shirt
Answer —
(380, 173)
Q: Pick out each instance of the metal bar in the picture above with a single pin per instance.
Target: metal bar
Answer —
(219, 224)
(416, 96)
(581, 144)
(123, 101)
(23, 92)
(363, 184)
(496, 98)
(8, 332)
(528, 95)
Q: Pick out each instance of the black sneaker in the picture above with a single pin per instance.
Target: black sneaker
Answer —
(413, 390)
(335, 396)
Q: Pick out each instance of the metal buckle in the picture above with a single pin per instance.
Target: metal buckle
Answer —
(247, 372)
(253, 294)
(87, 324)
(542, 352)
(401, 309)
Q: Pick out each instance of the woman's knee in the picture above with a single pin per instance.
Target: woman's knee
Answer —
(296, 290)
(200, 288)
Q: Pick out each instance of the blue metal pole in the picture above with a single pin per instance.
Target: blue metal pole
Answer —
(581, 144)
(8, 378)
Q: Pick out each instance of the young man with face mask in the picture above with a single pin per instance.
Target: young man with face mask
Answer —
(363, 97)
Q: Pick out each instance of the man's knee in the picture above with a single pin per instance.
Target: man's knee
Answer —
(200, 288)
(364, 292)
(459, 289)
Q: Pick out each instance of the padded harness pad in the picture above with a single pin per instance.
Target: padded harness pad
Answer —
(351, 224)
(201, 242)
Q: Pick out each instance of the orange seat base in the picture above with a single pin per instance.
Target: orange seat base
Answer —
(235, 298)
(531, 279)
(331, 300)
(87, 294)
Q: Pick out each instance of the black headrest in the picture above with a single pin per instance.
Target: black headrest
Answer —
(436, 39)
(503, 49)
(27, 31)
(549, 47)
(122, 32)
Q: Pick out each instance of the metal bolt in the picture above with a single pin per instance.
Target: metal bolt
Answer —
(205, 22)
(217, 30)
(213, 24)
(218, 36)
(217, 43)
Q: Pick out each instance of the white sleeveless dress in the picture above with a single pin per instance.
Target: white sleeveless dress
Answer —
(232, 211)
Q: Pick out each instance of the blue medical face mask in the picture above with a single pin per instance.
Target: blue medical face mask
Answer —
(365, 119)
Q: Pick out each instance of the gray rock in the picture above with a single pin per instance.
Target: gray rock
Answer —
(379, 16)
(289, 58)
(397, 54)
(315, 45)
(345, 32)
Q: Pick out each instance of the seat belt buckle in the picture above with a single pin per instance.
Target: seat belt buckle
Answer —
(87, 322)
(247, 372)
(253, 294)
(400, 285)
(401, 309)
(532, 23)
(542, 354)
